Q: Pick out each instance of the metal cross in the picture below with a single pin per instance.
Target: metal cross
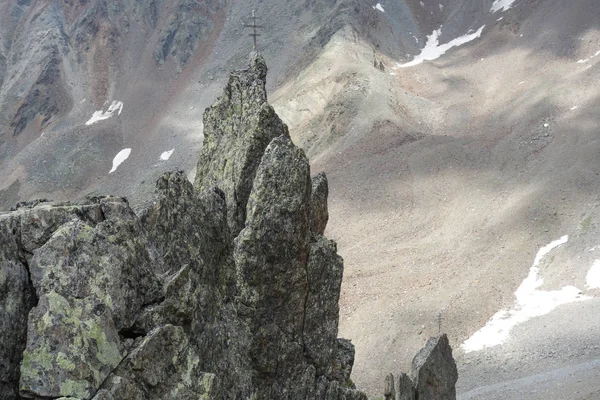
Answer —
(254, 27)
(439, 321)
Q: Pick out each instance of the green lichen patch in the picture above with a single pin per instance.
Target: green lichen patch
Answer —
(70, 349)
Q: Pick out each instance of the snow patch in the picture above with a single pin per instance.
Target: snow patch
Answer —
(119, 158)
(166, 155)
(530, 302)
(378, 7)
(115, 106)
(593, 276)
(501, 4)
(583, 61)
(434, 50)
(573, 109)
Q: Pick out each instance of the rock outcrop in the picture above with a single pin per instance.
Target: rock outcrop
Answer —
(225, 290)
(237, 130)
(433, 375)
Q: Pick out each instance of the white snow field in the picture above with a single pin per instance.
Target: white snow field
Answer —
(115, 106)
(530, 302)
(119, 158)
(378, 7)
(434, 50)
(501, 4)
(166, 155)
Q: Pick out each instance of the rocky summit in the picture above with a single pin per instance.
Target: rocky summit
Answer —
(225, 289)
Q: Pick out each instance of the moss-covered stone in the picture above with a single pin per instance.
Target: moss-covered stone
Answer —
(71, 348)
(109, 263)
(162, 366)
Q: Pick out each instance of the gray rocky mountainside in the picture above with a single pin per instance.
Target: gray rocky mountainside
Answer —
(223, 290)
(459, 139)
(143, 68)
(63, 61)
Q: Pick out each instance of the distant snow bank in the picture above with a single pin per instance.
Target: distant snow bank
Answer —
(530, 302)
(434, 50)
(379, 7)
(119, 158)
(115, 106)
(166, 155)
(501, 4)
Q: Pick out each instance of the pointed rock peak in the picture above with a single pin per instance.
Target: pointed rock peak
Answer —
(258, 65)
(237, 130)
(434, 363)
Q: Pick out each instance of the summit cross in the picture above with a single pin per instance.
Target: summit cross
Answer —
(254, 27)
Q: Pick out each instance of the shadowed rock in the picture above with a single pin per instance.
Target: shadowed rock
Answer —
(433, 375)
(404, 388)
(17, 297)
(319, 215)
(434, 371)
(344, 362)
(389, 392)
(324, 274)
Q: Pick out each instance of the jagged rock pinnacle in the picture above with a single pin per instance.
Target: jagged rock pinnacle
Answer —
(225, 290)
(237, 130)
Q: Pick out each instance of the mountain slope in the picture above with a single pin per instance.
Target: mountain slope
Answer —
(447, 175)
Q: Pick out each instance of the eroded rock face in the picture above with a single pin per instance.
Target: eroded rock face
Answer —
(17, 297)
(225, 290)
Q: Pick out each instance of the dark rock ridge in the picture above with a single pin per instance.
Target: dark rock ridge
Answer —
(225, 290)
(433, 375)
